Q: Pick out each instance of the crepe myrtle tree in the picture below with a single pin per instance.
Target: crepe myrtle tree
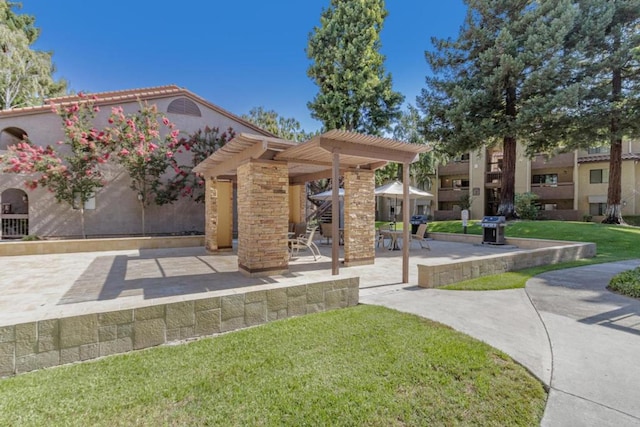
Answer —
(142, 150)
(73, 177)
(186, 183)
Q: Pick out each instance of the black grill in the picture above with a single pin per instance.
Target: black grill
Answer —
(415, 221)
(493, 230)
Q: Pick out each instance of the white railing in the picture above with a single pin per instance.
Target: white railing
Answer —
(14, 226)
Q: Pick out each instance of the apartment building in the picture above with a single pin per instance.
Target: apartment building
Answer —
(570, 186)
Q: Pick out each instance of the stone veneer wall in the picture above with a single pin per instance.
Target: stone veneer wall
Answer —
(46, 343)
(263, 217)
(359, 217)
(433, 276)
(211, 215)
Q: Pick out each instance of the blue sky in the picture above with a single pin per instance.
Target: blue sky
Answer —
(237, 54)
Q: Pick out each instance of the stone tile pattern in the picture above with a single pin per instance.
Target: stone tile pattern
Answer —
(211, 215)
(433, 276)
(263, 217)
(46, 343)
(359, 217)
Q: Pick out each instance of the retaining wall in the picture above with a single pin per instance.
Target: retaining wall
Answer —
(41, 247)
(541, 252)
(46, 343)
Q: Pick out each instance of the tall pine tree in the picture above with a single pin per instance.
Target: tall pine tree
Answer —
(481, 82)
(355, 93)
(598, 102)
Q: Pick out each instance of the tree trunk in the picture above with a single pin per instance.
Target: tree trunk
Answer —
(508, 181)
(613, 214)
(84, 233)
(143, 211)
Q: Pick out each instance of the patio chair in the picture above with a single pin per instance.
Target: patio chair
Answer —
(305, 242)
(326, 229)
(419, 236)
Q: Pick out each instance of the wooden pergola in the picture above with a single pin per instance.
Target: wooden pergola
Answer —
(325, 156)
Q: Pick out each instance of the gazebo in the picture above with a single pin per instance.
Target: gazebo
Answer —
(271, 173)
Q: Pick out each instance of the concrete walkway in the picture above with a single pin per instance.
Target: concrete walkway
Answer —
(578, 338)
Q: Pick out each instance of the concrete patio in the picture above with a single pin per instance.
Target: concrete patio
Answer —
(40, 287)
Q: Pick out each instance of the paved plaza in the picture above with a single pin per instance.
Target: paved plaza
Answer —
(579, 339)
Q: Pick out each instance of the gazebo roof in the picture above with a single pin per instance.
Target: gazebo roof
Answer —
(312, 159)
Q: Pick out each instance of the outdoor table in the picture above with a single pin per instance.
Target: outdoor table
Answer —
(393, 235)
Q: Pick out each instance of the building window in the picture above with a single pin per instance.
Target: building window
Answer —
(460, 183)
(547, 179)
(184, 106)
(599, 150)
(598, 176)
(597, 209)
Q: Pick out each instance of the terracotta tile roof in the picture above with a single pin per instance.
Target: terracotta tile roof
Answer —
(605, 157)
(130, 95)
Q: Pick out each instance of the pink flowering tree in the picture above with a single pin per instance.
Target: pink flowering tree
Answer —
(72, 177)
(186, 183)
(144, 145)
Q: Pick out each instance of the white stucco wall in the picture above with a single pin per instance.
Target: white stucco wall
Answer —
(117, 210)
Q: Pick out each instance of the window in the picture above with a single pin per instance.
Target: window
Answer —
(599, 150)
(11, 136)
(460, 183)
(547, 179)
(597, 209)
(598, 176)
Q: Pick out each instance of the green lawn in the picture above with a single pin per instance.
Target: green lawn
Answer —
(614, 243)
(360, 366)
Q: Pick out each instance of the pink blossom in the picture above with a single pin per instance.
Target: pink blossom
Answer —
(165, 121)
(123, 152)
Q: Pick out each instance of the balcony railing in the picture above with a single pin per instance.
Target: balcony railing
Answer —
(564, 160)
(14, 226)
(452, 194)
(559, 191)
(454, 168)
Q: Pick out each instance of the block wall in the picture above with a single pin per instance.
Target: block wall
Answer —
(433, 276)
(46, 343)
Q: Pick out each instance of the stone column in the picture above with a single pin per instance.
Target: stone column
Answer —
(218, 215)
(359, 217)
(211, 215)
(263, 218)
(297, 203)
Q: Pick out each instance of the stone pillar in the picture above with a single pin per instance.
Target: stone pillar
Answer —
(359, 217)
(211, 214)
(218, 215)
(263, 218)
(297, 203)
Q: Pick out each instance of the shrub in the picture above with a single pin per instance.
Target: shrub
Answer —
(526, 207)
(632, 220)
(626, 283)
(31, 237)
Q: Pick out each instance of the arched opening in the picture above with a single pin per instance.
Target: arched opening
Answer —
(14, 215)
(11, 136)
(184, 106)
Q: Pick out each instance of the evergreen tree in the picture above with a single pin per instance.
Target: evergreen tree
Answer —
(355, 93)
(482, 81)
(25, 74)
(598, 103)
(284, 127)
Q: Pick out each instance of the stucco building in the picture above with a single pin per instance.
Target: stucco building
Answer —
(570, 186)
(115, 209)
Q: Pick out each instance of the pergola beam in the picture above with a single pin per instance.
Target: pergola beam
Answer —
(367, 151)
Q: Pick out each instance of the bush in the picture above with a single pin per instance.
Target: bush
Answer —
(31, 237)
(526, 207)
(626, 283)
(632, 220)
